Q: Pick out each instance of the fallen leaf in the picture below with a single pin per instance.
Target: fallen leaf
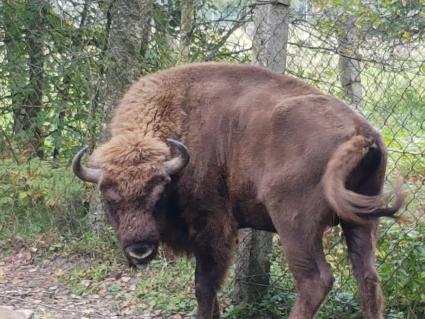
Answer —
(118, 275)
(125, 279)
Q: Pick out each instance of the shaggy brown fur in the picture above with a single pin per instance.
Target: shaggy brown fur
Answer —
(129, 162)
(267, 152)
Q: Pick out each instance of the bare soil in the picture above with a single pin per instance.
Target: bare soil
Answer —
(28, 281)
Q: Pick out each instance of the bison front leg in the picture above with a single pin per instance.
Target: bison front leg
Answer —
(211, 267)
(206, 285)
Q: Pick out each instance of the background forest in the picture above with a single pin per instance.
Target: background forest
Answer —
(65, 65)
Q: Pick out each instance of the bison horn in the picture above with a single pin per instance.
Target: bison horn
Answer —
(87, 174)
(176, 164)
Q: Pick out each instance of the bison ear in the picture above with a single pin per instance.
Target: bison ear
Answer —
(175, 165)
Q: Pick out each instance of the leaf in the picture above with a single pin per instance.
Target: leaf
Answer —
(23, 197)
(405, 36)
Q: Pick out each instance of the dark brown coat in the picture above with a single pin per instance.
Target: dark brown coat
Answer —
(266, 151)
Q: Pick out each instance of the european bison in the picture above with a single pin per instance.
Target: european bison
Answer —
(266, 151)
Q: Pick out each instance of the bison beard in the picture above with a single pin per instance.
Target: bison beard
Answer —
(266, 151)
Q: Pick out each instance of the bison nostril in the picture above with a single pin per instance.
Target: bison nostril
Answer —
(140, 251)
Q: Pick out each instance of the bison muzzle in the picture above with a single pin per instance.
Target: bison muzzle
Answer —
(266, 151)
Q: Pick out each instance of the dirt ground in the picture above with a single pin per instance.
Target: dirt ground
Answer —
(29, 282)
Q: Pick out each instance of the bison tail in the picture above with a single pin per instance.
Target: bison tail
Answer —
(349, 205)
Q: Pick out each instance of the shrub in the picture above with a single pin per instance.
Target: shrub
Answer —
(39, 198)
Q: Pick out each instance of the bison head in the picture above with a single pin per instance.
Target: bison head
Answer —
(131, 175)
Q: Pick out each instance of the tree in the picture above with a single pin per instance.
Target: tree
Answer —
(25, 40)
(269, 49)
(349, 66)
(387, 20)
(129, 26)
(186, 26)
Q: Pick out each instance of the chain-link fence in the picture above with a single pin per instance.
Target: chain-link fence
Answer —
(54, 83)
(372, 60)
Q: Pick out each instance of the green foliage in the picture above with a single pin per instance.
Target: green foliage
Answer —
(401, 264)
(86, 279)
(70, 78)
(167, 286)
(163, 285)
(403, 277)
(39, 199)
(392, 18)
(401, 115)
(210, 34)
(74, 64)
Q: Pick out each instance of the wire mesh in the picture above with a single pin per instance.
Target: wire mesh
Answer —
(53, 83)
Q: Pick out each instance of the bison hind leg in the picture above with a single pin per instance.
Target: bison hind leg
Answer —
(303, 249)
(367, 179)
(361, 242)
(312, 273)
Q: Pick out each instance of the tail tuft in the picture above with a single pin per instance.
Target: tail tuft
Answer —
(349, 205)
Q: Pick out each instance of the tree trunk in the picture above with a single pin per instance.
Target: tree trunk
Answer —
(129, 24)
(271, 34)
(269, 49)
(35, 46)
(130, 21)
(186, 25)
(349, 66)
